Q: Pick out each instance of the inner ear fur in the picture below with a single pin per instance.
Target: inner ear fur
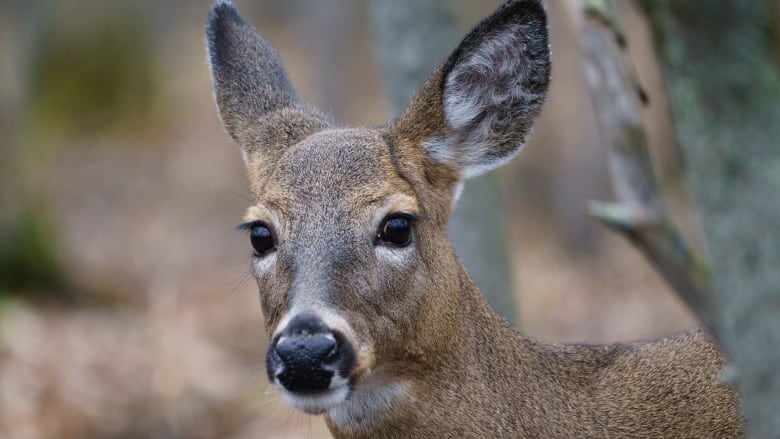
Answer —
(475, 112)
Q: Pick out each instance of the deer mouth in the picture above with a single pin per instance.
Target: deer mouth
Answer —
(320, 402)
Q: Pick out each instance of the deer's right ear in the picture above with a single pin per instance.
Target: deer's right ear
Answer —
(476, 111)
(256, 102)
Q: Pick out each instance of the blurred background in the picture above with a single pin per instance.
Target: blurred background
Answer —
(126, 305)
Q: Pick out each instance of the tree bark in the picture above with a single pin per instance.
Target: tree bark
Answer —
(723, 84)
(413, 38)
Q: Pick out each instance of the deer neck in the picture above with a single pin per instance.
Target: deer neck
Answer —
(474, 375)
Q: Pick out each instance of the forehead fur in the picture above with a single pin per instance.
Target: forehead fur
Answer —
(332, 167)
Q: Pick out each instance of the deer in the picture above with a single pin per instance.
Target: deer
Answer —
(372, 320)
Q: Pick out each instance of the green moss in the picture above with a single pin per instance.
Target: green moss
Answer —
(28, 254)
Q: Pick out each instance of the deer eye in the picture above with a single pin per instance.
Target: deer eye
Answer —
(262, 239)
(396, 230)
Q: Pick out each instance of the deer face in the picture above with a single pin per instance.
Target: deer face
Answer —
(358, 282)
(336, 230)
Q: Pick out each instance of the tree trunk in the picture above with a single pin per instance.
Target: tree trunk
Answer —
(722, 78)
(413, 38)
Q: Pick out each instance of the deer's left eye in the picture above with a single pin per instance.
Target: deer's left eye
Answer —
(396, 230)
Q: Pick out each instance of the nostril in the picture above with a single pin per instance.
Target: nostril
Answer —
(332, 354)
(346, 354)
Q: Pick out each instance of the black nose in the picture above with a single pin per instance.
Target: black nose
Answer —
(306, 355)
(311, 349)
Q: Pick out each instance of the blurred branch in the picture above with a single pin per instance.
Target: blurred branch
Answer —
(412, 38)
(640, 213)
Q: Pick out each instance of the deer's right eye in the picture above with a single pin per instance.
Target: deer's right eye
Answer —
(396, 230)
(262, 239)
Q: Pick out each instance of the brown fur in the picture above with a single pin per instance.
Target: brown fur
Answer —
(433, 359)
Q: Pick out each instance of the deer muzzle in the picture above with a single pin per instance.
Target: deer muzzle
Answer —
(308, 359)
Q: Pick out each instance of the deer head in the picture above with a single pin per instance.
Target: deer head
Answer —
(359, 285)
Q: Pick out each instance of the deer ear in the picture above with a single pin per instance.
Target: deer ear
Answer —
(487, 94)
(256, 102)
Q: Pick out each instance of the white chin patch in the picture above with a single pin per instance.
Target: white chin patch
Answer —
(318, 403)
(369, 404)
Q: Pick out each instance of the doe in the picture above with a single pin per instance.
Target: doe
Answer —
(373, 321)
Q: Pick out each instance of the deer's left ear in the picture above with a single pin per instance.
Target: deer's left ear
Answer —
(479, 107)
